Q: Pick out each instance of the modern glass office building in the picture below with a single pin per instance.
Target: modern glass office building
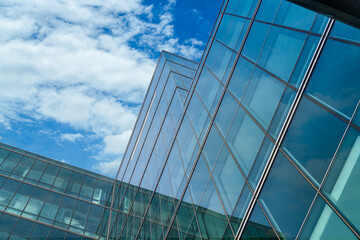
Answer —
(260, 140)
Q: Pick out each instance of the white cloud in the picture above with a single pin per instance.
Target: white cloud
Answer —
(72, 62)
(108, 168)
(72, 137)
(116, 144)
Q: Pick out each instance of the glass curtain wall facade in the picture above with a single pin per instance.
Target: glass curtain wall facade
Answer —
(266, 143)
(260, 140)
(41, 198)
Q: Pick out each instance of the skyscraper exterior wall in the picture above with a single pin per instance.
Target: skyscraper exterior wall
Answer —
(268, 140)
(260, 140)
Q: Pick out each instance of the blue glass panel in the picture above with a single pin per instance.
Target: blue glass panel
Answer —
(312, 138)
(198, 180)
(56, 234)
(346, 32)
(231, 30)
(8, 190)
(7, 222)
(21, 197)
(198, 115)
(220, 60)
(241, 207)
(40, 232)
(356, 119)
(260, 162)
(262, 96)
(36, 202)
(255, 40)
(294, 16)
(258, 227)
(212, 147)
(342, 184)
(228, 179)
(10, 162)
(280, 197)
(323, 223)
(209, 89)
(319, 24)
(239, 7)
(339, 90)
(3, 154)
(281, 112)
(51, 205)
(23, 227)
(267, 10)
(244, 140)
(240, 77)
(226, 113)
(304, 60)
(281, 51)
(23, 167)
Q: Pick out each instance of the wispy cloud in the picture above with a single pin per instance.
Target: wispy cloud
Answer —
(72, 137)
(74, 62)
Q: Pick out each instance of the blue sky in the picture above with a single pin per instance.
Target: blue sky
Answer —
(73, 74)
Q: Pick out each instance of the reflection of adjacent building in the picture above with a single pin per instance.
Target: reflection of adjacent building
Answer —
(260, 140)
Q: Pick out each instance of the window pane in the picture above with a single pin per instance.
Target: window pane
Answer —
(212, 147)
(280, 197)
(21, 197)
(267, 10)
(260, 162)
(198, 180)
(312, 138)
(228, 179)
(344, 31)
(87, 187)
(281, 51)
(339, 90)
(244, 140)
(62, 179)
(23, 168)
(239, 7)
(255, 40)
(36, 171)
(231, 31)
(342, 185)
(209, 89)
(40, 231)
(36, 201)
(75, 183)
(240, 77)
(226, 113)
(304, 60)
(258, 227)
(220, 60)
(23, 227)
(294, 16)
(51, 206)
(49, 175)
(281, 112)
(8, 190)
(323, 223)
(10, 162)
(3, 154)
(65, 211)
(262, 96)
(319, 24)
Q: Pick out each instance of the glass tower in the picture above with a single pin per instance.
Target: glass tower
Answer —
(260, 140)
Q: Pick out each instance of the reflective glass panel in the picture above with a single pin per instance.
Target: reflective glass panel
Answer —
(262, 96)
(339, 90)
(281, 51)
(239, 7)
(280, 197)
(346, 32)
(258, 227)
(294, 16)
(323, 223)
(312, 138)
(255, 40)
(240, 77)
(244, 140)
(342, 184)
(267, 10)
